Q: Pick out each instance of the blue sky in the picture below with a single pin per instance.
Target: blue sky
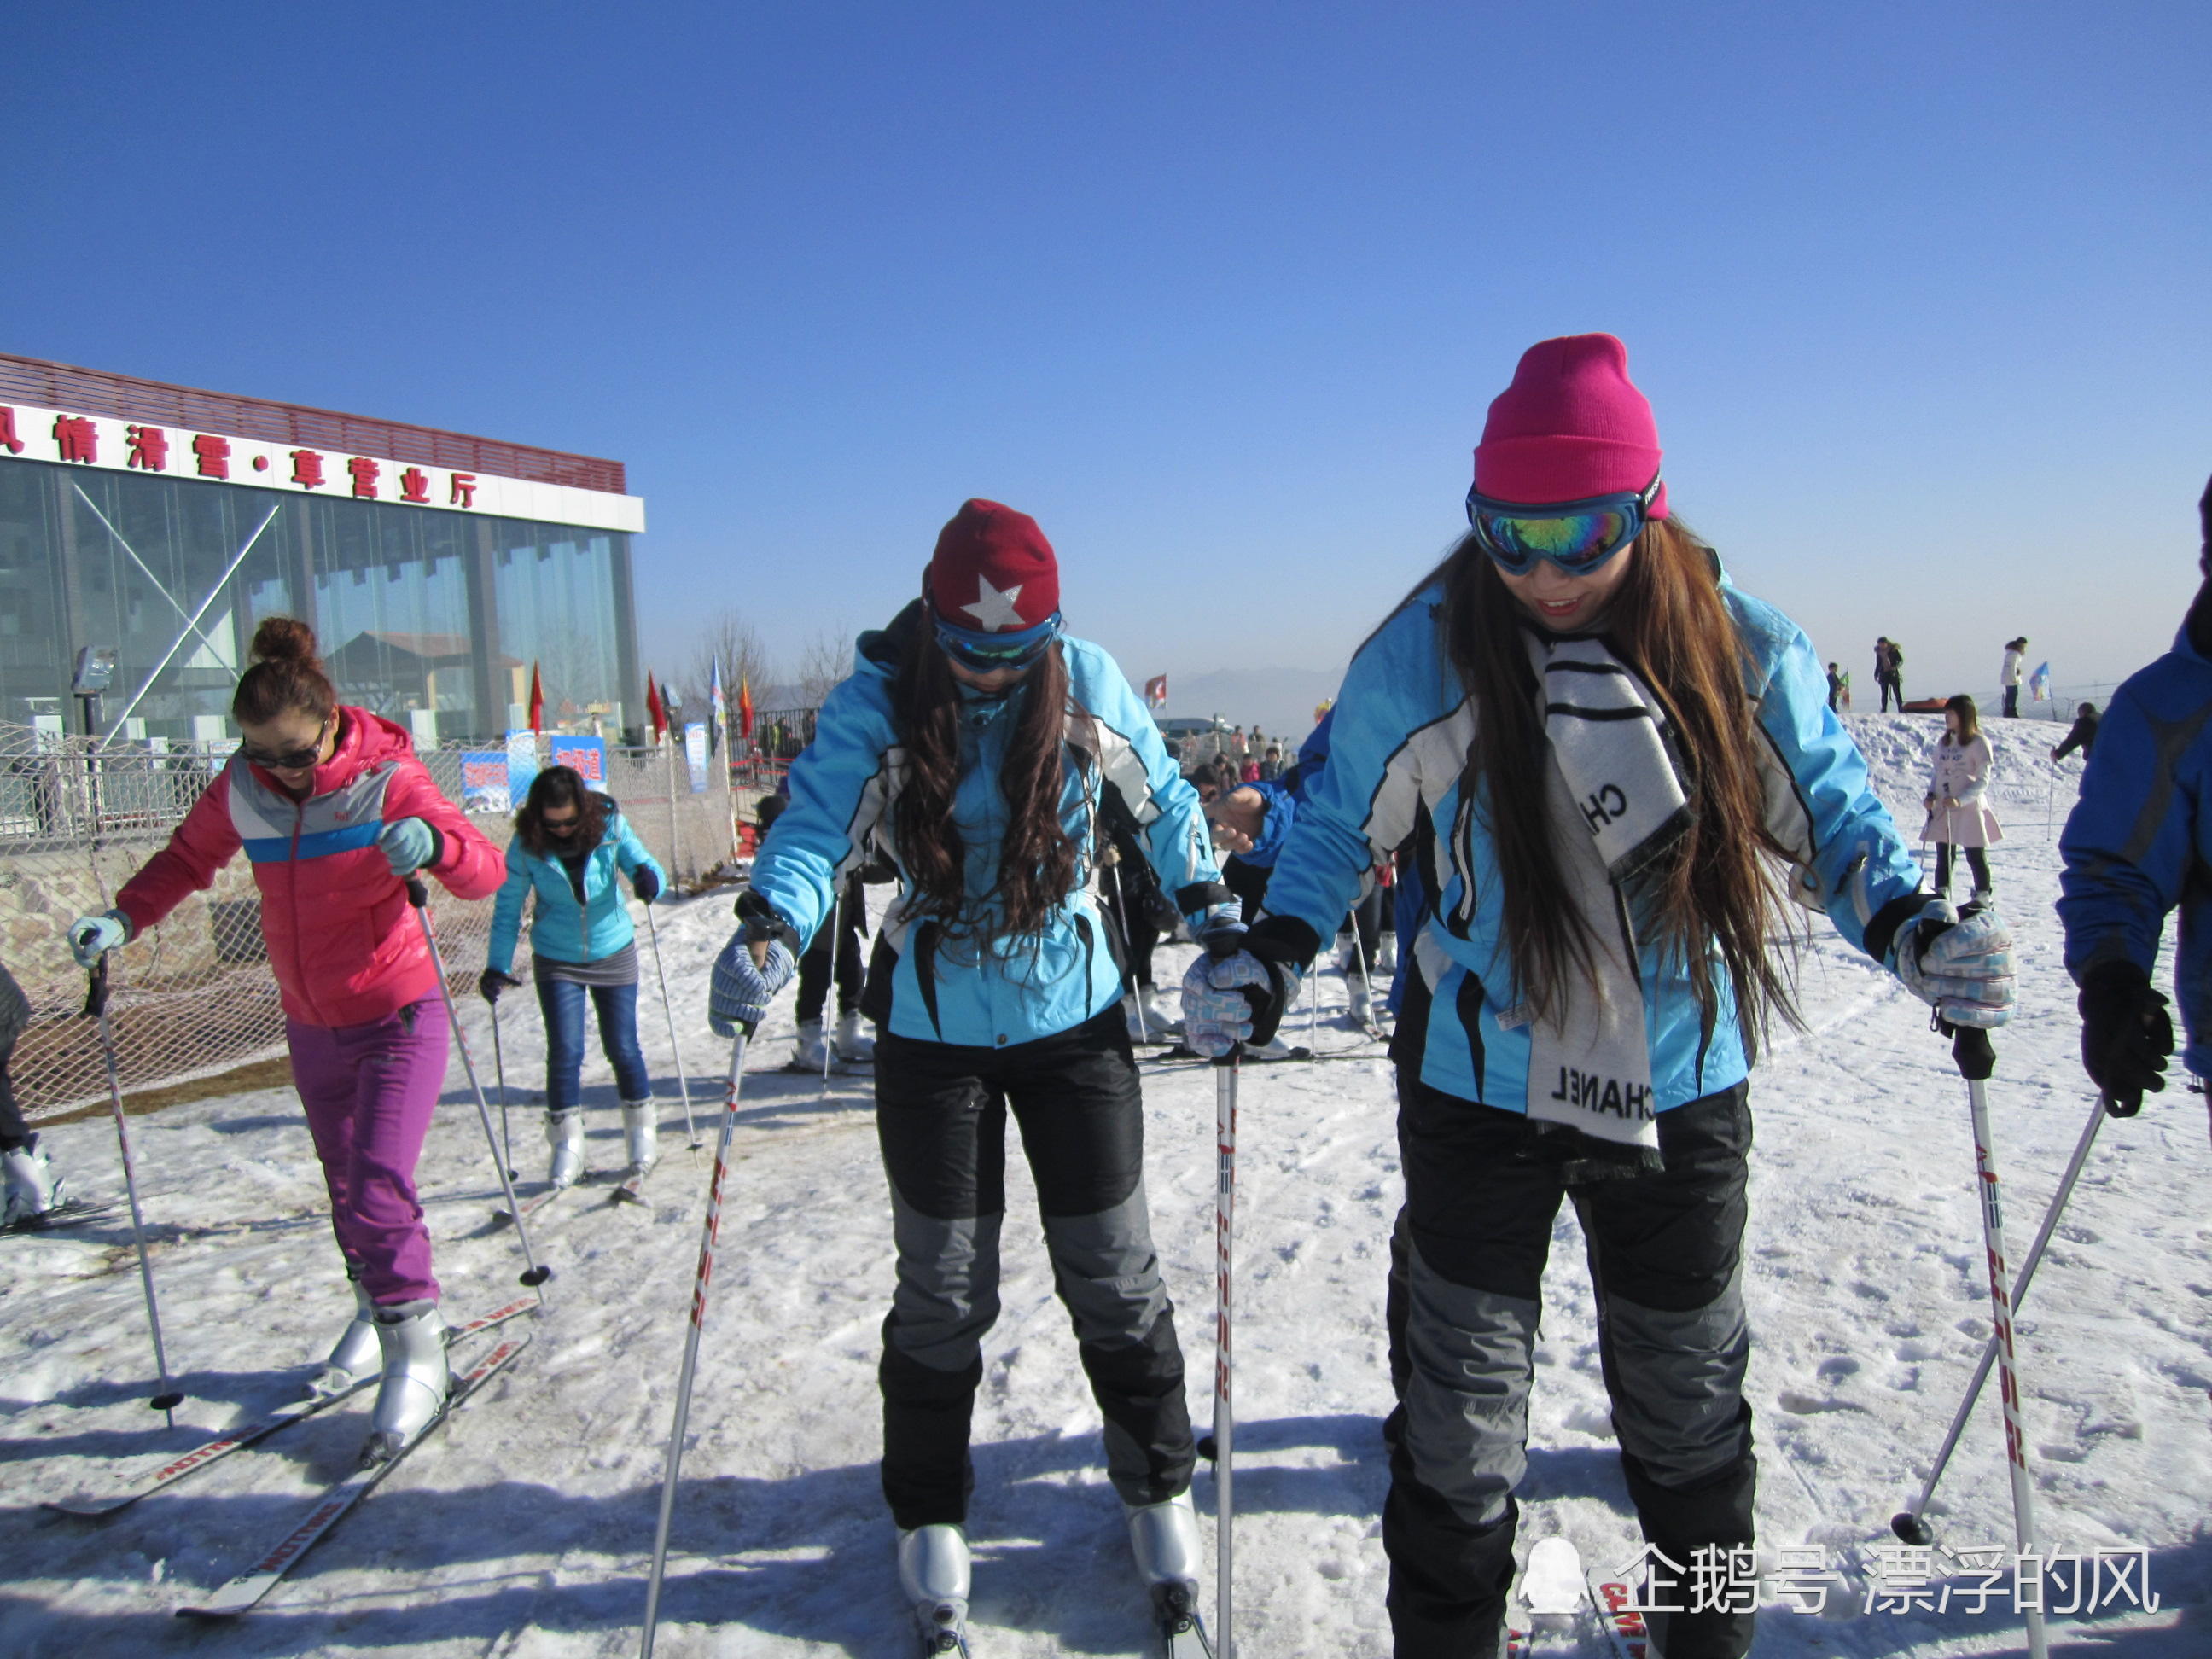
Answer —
(1219, 293)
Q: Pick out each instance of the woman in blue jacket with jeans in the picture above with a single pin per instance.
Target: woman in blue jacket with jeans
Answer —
(572, 846)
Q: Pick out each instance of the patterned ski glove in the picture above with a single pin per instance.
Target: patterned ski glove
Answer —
(742, 989)
(92, 937)
(408, 845)
(1231, 995)
(2126, 1035)
(1960, 966)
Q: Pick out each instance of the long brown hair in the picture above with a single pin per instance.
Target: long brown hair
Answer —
(562, 786)
(1038, 859)
(286, 674)
(1970, 720)
(1717, 887)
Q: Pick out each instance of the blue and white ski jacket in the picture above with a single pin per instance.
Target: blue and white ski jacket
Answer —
(943, 987)
(2139, 842)
(1397, 754)
(561, 929)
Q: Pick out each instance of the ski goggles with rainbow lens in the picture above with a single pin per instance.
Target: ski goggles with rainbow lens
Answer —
(987, 653)
(1578, 537)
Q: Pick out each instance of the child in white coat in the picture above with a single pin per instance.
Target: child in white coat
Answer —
(1958, 815)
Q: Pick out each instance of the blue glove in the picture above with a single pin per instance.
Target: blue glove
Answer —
(741, 989)
(1960, 967)
(408, 844)
(92, 937)
(645, 884)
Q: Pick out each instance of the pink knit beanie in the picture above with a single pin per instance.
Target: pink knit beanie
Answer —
(1570, 426)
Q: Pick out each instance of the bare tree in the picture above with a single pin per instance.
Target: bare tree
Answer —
(728, 639)
(825, 660)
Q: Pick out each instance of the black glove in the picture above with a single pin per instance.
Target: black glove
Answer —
(2126, 1035)
(645, 884)
(491, 982)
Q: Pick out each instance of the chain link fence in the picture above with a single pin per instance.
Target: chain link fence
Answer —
(193, 997)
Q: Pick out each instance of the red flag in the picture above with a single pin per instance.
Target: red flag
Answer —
(1156, 691)
(745, 709)
(654, 711)
(537, 701)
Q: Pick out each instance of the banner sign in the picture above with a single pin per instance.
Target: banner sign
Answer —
(483, 781)
(695, 754)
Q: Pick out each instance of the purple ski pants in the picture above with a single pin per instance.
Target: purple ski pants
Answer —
(370, 1091)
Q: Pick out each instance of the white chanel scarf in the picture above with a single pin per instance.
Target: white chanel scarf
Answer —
(1616, 800)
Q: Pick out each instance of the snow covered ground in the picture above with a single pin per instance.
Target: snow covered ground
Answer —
(524, 1528)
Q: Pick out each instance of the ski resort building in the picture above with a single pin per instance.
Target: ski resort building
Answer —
(153, 525)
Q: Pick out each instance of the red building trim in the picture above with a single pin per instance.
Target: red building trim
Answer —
(127, 398)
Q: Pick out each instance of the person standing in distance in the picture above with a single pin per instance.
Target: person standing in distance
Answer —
(335, 813)
(1959, 813)
(2008, 676)
(973, 745)
(1655, 770)
(2135, 848)
(572, 848)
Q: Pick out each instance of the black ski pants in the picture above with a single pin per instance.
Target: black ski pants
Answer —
(1665, 1253)
(839, 951)
(941, 1114)
(1977, 861)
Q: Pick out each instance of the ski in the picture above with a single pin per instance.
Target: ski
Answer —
(1182, 1632)
(70, 1213)
(1547, 1617)
(1182, 1054)
(245, 1592)
(630, 1189)
(503, 1217)
(1615, 1600)
(231, 1440)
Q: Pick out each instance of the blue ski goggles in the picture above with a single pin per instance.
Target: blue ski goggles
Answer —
(987, 653)
(1578, 537)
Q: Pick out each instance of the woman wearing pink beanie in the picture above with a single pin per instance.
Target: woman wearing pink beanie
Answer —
(1612, 768)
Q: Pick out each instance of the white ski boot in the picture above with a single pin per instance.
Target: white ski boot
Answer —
(854, 1044)
(1165, 1539)
(564, 1133)
(1165, 1022)
(33, 1189)
(641, 1135)
(1137, 1023)
(356, 1345)
(933, 1564)
(812, 1055)
(1385, 954)
(1362, 1003)
(416, 1381)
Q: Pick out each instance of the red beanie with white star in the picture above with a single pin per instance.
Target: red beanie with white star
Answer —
(992, 573)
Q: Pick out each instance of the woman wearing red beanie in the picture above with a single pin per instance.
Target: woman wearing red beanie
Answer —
(1612, 768)
(978, 748)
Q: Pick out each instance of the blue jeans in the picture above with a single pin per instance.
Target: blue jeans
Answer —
(562, 1003)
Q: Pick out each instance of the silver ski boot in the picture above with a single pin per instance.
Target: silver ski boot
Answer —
(641, 1133)
(356, 1345)
(564, 1133)
(854, 1044)
(33, 1190)
(933, 1564)
(415, 1379)
(1165, 1539)
(812, 1054)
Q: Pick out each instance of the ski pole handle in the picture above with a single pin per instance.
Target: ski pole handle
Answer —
(418, 892)
(1221, 947)
(95, 995)
(1972, 1052)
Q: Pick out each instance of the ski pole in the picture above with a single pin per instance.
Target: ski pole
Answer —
(418, 896)
(1910, 1523)
(692, 1339)
(836, 900)
(95, 1004)
(683, 1084)
(499, 1069)
(1976, 1059)
(1224, 1415)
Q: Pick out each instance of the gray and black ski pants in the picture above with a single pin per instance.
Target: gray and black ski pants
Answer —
(941, 1119)
(1665, 1253)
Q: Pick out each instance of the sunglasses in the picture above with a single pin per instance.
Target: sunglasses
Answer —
(984, 659)
(1580, 538)
(291, 760)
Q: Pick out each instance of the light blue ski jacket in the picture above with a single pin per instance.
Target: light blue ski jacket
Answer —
(961, 986)
(561, 929)
(2138, 843)
(1397, 753)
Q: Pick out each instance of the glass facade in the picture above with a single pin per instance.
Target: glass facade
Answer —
(430, 618)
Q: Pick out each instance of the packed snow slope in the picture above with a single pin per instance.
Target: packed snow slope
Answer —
(525, 1526)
